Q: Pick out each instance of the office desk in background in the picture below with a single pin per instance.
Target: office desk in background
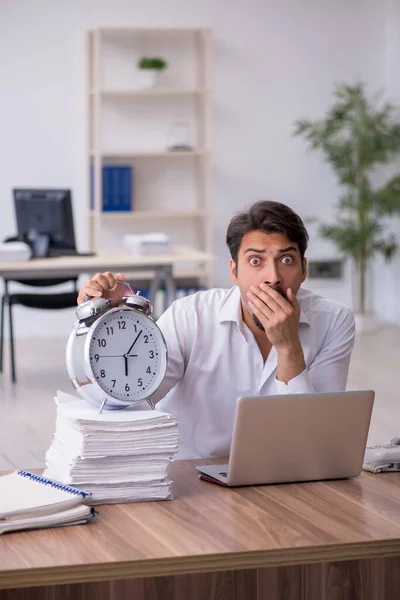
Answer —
(311, 541)
(64, 266)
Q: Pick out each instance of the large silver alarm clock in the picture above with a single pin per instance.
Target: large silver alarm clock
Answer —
(116, 357)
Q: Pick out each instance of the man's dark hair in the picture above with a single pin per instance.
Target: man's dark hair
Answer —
(269, 217)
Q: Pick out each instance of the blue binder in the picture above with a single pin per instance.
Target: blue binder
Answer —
(117, 183)
(118, 186)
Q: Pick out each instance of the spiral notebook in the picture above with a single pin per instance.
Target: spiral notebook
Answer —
(27, 495)
(78, 515)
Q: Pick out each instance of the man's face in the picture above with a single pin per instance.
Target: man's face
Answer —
(270, 258)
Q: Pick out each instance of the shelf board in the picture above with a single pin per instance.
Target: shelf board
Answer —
(133, 93)
(138, 30)
(141, 215)
(179, 273)
(147, 154)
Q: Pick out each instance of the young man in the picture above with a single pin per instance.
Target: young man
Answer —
(263, 336)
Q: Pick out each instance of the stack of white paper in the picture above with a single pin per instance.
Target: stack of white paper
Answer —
(15, 251)
(117, 455)
(147, 243)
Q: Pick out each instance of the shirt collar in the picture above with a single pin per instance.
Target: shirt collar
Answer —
(231, 309)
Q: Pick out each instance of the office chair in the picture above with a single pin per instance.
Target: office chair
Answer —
(47, 301)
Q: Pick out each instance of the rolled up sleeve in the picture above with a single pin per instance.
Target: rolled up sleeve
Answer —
(329, 370)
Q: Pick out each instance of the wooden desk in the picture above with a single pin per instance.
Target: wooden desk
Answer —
(66, 266)
(314, 541)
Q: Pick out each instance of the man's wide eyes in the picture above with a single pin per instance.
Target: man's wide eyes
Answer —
(255, 261)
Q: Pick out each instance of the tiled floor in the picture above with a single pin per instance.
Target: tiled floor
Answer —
(27, 410)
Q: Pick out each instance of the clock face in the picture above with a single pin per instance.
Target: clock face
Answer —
(127, 354)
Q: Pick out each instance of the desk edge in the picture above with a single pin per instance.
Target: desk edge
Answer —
(184, 565)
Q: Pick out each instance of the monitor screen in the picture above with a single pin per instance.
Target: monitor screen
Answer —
(46, 215)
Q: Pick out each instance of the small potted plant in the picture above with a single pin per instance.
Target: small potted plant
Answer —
(150, 68)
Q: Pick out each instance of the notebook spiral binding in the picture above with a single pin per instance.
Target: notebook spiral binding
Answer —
(54, 484)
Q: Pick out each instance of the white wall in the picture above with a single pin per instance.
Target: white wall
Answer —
(386, 292)
(275, 61)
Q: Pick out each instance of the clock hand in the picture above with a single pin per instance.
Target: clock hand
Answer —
(126, 365)
(134, 342)
(114, 355)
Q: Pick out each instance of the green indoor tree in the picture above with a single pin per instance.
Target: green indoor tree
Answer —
(357, 136)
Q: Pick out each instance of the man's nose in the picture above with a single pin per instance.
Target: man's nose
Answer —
(272, 276)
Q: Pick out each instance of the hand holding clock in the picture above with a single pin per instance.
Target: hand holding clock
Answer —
(103, 285)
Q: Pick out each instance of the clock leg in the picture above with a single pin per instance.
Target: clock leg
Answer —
(150, 403)
(102, 405)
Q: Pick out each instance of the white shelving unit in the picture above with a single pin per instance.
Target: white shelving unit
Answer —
(128, 124)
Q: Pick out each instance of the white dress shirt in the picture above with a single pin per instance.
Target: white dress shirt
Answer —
(213, 358)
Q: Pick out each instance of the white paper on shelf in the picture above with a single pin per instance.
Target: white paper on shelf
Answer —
(147, 243)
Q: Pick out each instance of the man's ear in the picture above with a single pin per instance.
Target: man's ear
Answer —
(304, 270)
(233, 271)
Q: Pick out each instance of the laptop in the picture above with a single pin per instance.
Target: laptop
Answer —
(295, 437)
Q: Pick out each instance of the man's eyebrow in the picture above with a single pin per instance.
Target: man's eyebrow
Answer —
(280, 251)
(288, 249)
(254, 250)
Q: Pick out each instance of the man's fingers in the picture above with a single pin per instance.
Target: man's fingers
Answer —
(261, 315)
(266, 299)
(103, 284)
(118, 287)
(96, 287)
(92, 289)
(291, 296)
(275, 299)
(256, 303)
(106, 280)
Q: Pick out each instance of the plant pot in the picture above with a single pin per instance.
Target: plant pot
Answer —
(365, 323)
(148, 78)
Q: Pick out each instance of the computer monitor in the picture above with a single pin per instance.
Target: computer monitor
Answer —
(45, 220)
